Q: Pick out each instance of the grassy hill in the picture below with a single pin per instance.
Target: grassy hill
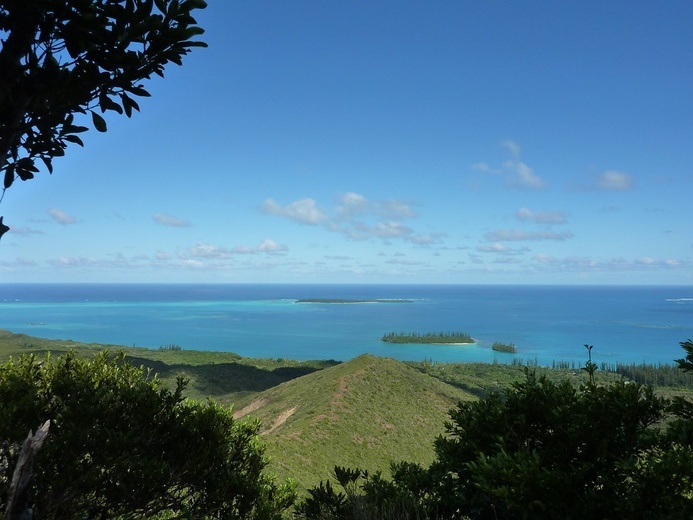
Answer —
(224, 376)
(366, 412)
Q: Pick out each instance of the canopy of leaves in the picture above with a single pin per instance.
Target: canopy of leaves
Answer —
(553, 450)
(686, 364)
(540, 449)
(65, 57)
(122, 445)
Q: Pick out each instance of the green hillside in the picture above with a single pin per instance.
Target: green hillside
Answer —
(223, 376)
(366, 412)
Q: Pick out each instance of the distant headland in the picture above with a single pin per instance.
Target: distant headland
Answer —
(453, 338)
(350, 300)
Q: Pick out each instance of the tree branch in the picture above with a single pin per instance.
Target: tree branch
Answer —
(18, 506)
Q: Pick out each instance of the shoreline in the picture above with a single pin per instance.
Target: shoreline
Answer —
(22, 343)
(350, 300)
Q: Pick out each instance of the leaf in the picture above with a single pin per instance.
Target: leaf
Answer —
(25, 175)
(107, 103)
(192, 31)
(138, 90)
(160, 5)
(25, 168)
(27, 163)
(49, 164)
(9, 175)
(74, 129)
(3, 228)
(99, 122)
(74, 139)
(129, 104)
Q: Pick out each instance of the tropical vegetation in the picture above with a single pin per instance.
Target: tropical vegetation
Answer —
(539, 449)
(504, 347)
(409, 440)
(122, 445)
(427, 337)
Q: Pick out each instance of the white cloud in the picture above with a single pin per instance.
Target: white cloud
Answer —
(352, 205)
(390, 230)
(427, 239)
(512, 147)
(523, 175)
(659, 263)
(207, 251)
(169, 220)
(25, 231)
(571, 262)
(270, 246)
(504, 235)
(583, 263)
(483, 167)
(494, 248)
(398, 261)
(546, 217)
(117, 261)
(194, 264)
(517, 172)
(18, 262)
(355, 217)
(243, 250)
(395, 209)
(304, 211)
(66, 262)
(61, 217)
(615, 181)
(502, 249)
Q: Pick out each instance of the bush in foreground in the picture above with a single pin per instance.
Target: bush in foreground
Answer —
(122, 445)
(539, 450)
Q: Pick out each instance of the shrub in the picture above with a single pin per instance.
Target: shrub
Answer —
(539, 450)
(122, 445)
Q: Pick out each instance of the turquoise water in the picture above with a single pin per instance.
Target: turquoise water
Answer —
(625, 324)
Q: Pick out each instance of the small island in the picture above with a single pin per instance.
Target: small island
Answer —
(429, 338)
(504, 347)
(349, 300)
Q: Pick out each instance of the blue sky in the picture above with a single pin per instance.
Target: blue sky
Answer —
(387, 142)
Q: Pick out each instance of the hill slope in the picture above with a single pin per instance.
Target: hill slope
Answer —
(366, 412)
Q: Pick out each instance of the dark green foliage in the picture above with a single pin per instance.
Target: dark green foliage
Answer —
(542, 449)
(428, 337)
(65, 57)
(122, 445)
(504, 347)
(590, 367)
(551, 450)
(349, 300)
(170, 346)
(659, 375)
(370, 496)
(323, 503)
(686, 364)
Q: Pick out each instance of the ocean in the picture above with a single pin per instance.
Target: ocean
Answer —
(546, 323)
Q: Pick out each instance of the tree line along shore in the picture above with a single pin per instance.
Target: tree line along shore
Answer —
(427, 337)
(442, 338)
